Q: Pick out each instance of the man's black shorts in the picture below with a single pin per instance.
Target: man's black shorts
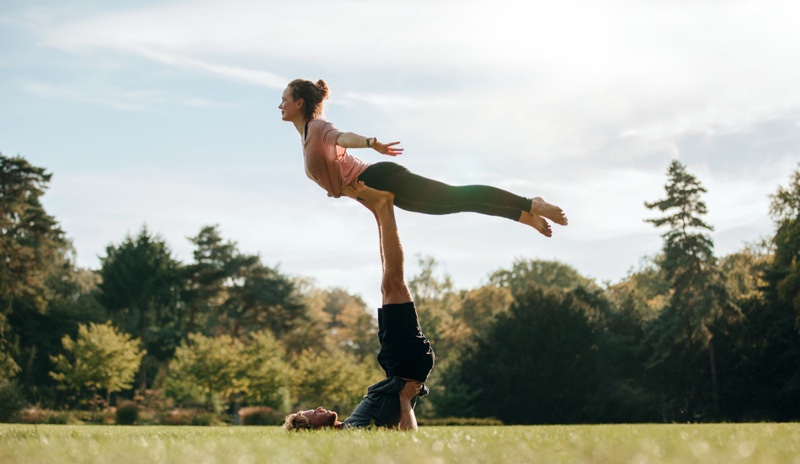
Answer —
(405, 352)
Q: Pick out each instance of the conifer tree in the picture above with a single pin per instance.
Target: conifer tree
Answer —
(698, 300)
(140, 288)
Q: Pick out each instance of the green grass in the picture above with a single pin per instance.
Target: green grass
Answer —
(648, 443)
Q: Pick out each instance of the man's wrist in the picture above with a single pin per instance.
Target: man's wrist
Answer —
(369, 142)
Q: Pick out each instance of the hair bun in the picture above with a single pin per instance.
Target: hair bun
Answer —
(323, 88)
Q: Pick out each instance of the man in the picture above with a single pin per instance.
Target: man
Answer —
(406, 355)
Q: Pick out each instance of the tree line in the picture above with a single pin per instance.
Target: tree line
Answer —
(685, 337)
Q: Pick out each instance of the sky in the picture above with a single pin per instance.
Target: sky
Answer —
(164, 114)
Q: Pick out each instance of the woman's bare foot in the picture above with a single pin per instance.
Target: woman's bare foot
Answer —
(537, 222)
(545, 209)
(371, 197)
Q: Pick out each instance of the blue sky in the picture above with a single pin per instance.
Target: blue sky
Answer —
(164, 113)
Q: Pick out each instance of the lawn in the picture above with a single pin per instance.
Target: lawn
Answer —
(644, 443)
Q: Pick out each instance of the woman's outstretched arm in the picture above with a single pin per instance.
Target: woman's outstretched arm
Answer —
(353, 140)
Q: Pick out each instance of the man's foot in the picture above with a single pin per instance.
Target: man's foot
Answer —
(545, 209)
(537, 222)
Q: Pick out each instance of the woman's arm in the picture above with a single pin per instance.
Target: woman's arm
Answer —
(353, 140)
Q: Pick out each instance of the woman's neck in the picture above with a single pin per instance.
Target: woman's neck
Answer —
(300, 125)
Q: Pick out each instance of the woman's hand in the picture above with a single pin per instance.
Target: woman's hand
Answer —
(386, 148)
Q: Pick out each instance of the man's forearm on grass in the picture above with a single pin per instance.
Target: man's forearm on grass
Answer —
(408, 420)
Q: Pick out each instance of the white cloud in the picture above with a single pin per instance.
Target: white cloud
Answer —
(567, 76)
(583, 103)
(122, 99)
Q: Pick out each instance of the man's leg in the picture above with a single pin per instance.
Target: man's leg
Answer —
(393, 285)
(405, 351)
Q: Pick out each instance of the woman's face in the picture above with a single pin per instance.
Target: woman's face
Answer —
(290, 108)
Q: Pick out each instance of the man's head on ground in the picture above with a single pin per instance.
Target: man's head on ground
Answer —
(311, 419)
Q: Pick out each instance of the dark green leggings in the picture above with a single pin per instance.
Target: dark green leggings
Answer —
(422, 195)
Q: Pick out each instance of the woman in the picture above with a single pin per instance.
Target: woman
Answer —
(329, 165)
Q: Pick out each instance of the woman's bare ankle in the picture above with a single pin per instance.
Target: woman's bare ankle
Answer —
(539, 207)
(372, 197)
(537, 222)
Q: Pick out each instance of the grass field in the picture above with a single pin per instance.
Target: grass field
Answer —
(647, 443)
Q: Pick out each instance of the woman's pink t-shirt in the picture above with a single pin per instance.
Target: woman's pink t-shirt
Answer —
(328, 164)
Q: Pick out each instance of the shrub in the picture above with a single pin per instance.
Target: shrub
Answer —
(205, 418)
(127, 412)
(11, 401)
(177, 417)
(58, 418)
(189, 417)
(259, 415)
(34, 415)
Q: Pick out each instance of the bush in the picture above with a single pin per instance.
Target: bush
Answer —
(127, 412)
(59, 418)
(189, 417)
(34, 415)
(11, 401)
(205, 418)
(259, 415)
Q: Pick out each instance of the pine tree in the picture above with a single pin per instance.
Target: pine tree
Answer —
(29, 237)
(698, 299)
(140, 288)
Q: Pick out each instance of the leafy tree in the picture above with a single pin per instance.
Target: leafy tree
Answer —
(312, 331)
(11, 400)
(140, 287)
(526, 274)
(439, 306)
(744, 271)
(784, 275)
(266, 371)
(479, 310)
(537, 364)
(647, 288)
(752, 356)
(775, 353)
(352, 328)
(210, 365)
(333, 380)
(8, 367)
(480, 307)
(70, 304)
(634, 303)
(234, 293)
(699, 300)
(101, 358)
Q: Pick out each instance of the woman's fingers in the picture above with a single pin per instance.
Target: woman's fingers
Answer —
(387, 148)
